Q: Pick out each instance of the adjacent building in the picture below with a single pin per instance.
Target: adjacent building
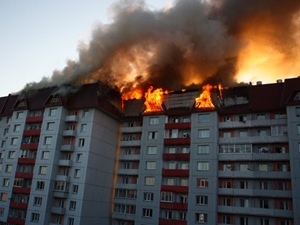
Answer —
(85, 157)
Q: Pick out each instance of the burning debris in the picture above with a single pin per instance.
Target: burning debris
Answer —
(191, 42)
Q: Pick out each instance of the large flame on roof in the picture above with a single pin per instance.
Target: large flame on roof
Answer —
(154, 99)
(133, 94)
(204, 100)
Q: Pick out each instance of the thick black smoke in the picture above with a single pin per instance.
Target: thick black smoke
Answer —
(194, 40)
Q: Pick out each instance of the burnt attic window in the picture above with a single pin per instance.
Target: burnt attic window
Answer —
(297, 96)
(54, 99)
(21, 103)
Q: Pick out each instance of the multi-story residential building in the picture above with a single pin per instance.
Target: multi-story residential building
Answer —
(81, 158)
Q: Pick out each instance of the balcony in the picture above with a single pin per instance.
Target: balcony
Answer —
(18, 221)
(24, 175)
(174, 205)
(126, 186)
(176, 156)
(63, 178)
(71, 118)
(180, 126)
(175, 172)
(32, 132)
(255, 174)
(131, 129)
(128, 171)
(65, 162)
(123, 216)
(255, 192)
(30, 161)
(129, 157)
(253, 139)
(69, 133)
(58, 210)
(21, 190)
(18, 205)
(163, 221)
(254, 156)
(30, 146)
(177, 141)
(176, 189)
(60, 194)
(34, 119)
(67, 148)
(130, 143)
(255, 211)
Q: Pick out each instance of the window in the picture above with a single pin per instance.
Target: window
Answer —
(297, 111)
(148, 196)
(202, 182)
(243, 184)
(184, 181)
(14, 141)
(202, 118)
(3, 197)
(35, 217)
(227, 134)
(37, 201)
(243, 133)
(244, 202)
(81, 142)
(77, 173)
(170, 181)
(17, 127)
(282, 185)
(264, 203)
(40, 185)
(261, 116)
(201, 199)
(85, 113)
(149, 180)
(70, 221)
(201, 217)
(150, 165)
(19, 115)
(244, 221)
(43, 170)
(72, 205)
(244, 167)
(11, 154)
(226, 201)
(152, 150)
(79, 157)
(226, 220)
(154, 120)
(48, 140)
(203, 149)
(8, 168)
(3, 142)
(203, 166)
(83, 127)
(147, 212)
(167, 197)
(168, 214)
(182, 215)
(263, 167)
(262, 133)
(74, 189)
(298, 129)
(264, 221)
(2, 211)
(284, 205)
(45, 155)
(203, 133)
(152, 135)
(5, 182)
(50, 126)
(53, 112)
(286, 222)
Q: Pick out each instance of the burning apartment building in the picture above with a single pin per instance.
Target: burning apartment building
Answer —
(152, 124)
(210, 155)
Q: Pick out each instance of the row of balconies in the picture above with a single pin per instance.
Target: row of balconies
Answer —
(254, 157)
(255, 192)
(255, 174)
(252, 123)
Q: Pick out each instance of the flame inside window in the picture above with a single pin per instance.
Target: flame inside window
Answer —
(154, 99)
(204, 100)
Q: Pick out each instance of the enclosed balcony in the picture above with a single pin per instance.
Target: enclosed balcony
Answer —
(71, 118)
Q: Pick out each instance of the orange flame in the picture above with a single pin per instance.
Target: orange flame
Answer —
(134, 94)
(204, 100)
(154, 99)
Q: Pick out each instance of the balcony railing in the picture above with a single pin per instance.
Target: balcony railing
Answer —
(175, 172)
(24, 175)
(176, 156)
(163, 221)
(174, 205)
(30, 161)
(177, 141)
(21, 190)
(34, 119)
(176, 189)
(30, 146)
(18, 205)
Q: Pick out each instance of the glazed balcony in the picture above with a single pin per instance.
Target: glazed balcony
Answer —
(24, 175)
(30, 161)
(177, 141)
(69, 133)
(65, 162)
(67, 148)
(60, 194)
(58, 210)
(176, 156)
(34, 119)
(163, 221)
(175, 172)
(71, 118)
(174, 206)
(21, 190)
(18, 205)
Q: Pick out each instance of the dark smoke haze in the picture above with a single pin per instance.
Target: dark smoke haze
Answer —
(192, 41)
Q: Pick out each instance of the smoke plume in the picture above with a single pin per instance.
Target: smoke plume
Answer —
(191, 42)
